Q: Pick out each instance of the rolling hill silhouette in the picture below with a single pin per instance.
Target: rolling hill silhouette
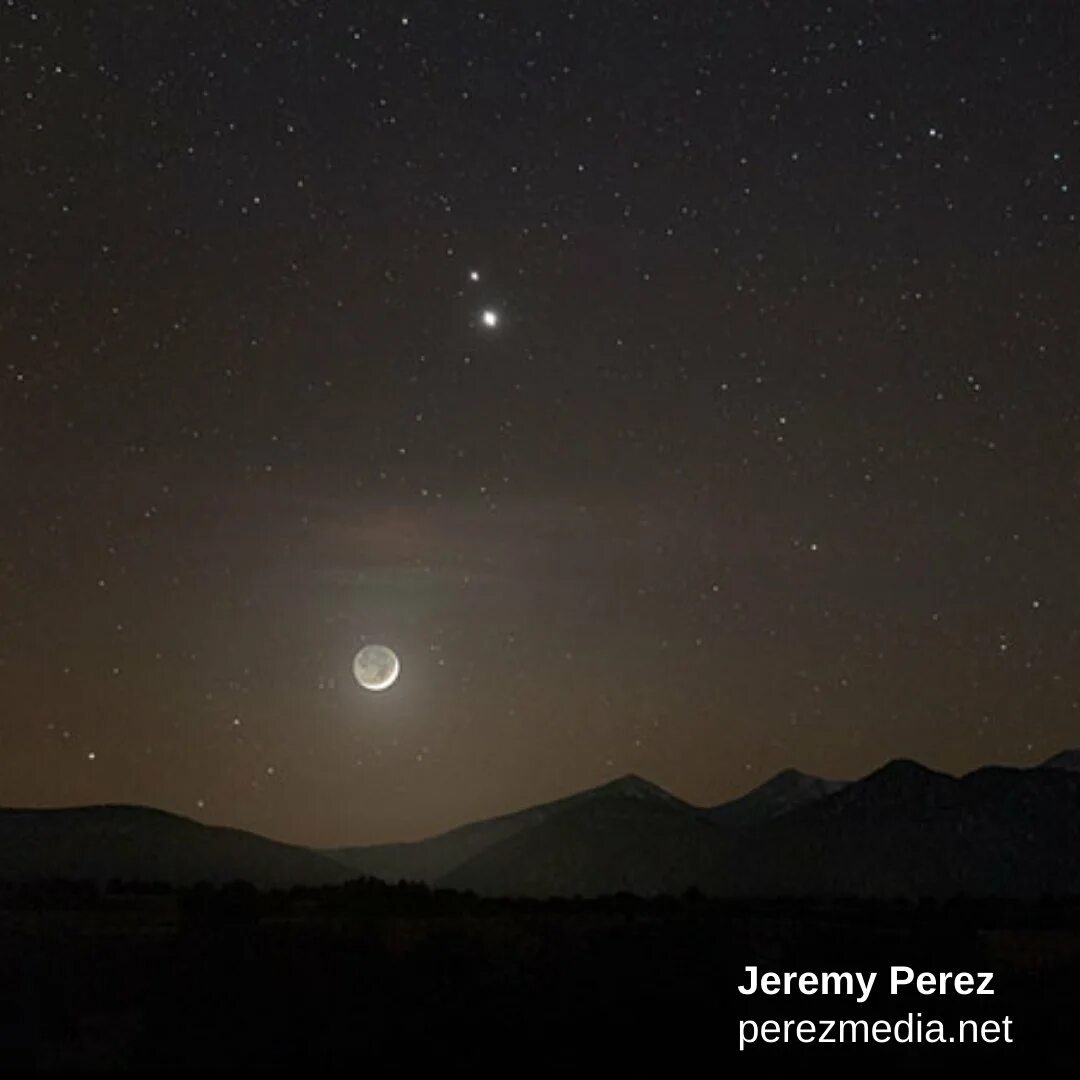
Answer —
(140, 843)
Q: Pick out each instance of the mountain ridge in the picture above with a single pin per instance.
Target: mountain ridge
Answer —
(903, 829)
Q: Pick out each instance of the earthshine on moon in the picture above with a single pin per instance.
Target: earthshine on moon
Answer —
(376, 667)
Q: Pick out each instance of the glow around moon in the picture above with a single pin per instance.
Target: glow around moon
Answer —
(376, 667)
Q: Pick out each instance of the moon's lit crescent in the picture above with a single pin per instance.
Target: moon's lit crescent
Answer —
(376, 667)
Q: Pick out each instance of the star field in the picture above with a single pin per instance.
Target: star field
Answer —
(688, 390)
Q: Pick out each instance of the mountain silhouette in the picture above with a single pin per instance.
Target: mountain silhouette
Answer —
(430, 860)
(627, 836)
(140, 843)
(906, 830)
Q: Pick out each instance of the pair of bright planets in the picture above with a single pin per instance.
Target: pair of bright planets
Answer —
(489, 316)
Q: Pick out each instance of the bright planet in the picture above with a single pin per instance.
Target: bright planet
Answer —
(376, 667)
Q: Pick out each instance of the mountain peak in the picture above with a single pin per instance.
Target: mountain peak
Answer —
(789, 778)
(786, 791)
(899, 780)
(906, 769)
(635, 787)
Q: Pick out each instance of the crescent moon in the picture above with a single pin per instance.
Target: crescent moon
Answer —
(376, 667)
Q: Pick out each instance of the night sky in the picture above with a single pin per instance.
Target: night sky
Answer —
(769, 459)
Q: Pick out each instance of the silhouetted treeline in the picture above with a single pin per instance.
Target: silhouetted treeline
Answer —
(241, 902)
(370, 976)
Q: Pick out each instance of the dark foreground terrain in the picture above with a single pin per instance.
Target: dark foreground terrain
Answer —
(369, 978)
